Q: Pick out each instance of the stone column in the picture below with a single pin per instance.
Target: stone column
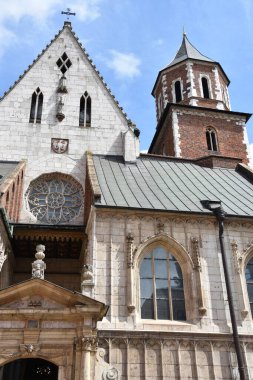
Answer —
(88, 345)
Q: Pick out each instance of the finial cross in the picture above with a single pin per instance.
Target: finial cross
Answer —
(68, 13)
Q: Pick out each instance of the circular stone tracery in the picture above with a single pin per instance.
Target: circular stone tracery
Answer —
(55, 199)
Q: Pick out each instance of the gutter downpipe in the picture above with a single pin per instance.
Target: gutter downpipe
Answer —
(220, 215)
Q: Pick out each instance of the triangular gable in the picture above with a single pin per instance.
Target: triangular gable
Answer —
(67, 26)
(33, 288)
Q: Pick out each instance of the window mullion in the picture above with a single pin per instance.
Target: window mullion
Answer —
(154, 289)
(169, 289)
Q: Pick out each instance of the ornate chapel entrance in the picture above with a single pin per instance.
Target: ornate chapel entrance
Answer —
(29, 369)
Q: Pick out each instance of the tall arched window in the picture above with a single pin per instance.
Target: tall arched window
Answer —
(205, 88)
(162, 292)
(85, 110)
(178, 91)
(36, 106)
(249, 281)
(211, 140)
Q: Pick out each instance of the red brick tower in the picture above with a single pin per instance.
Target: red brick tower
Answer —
(194, 119)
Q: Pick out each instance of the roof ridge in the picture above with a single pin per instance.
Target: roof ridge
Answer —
(68, 26)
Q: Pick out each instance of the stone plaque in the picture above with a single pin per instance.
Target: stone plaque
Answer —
(59, 145)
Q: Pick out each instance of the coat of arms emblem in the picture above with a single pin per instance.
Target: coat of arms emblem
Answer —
(59, 145)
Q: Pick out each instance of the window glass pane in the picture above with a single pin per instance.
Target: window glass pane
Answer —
(176, 284)
(160, 253)
(146, 268)
(161, 289)
(163, 309)
(249, 271)
(179, 311)
(146, 288)
(175, 270)
(147, 309)
(250, 292)
(161, 268)
(251, 308)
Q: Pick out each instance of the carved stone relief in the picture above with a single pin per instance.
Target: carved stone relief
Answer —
(59, 145)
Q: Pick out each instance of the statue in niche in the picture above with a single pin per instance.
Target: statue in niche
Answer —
(60, 115)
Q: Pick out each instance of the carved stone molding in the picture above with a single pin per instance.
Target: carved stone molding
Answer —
(195, 254)
(3, 257)
(237, 257)
(130, 243)
(38, 266)
(87, 343)
(29, 349)
(103, 370)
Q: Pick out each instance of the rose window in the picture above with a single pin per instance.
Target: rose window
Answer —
(55, 200)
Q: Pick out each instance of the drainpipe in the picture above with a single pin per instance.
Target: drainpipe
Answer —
(219, 213)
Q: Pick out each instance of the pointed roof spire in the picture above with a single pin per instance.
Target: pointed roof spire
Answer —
(188, 51)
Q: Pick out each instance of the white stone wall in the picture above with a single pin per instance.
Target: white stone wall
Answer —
(23, 140)
(109, 258)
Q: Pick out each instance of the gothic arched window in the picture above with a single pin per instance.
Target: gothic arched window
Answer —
(178, 91)
(249, 282)
(55, 198)
(85, 110)
(205, 88)
(161, 283)
(211, 140)
(36, 107)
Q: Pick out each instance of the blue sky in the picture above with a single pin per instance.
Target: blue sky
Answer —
(131, 40)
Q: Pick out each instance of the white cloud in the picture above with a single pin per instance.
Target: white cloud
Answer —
(40, 13)
(124, 64)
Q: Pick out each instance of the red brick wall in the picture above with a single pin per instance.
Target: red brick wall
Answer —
(192, 130)
(11, 198)
(180, 71)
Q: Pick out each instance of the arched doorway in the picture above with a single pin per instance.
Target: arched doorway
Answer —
(29, 369)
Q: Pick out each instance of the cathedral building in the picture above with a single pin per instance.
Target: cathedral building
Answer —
(116, 264)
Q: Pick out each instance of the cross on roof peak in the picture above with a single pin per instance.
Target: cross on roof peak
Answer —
(68, 13)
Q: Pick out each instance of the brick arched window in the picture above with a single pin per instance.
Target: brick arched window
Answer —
(36, 107)
(178, 91)
(211, 140)
(85, 110)
(161, 286)
(205, 88)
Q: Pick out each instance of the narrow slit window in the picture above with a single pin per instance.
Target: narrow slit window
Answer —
(211, 140)
(36, 107)
(205, 88)
(85, 110)
(162, 291)
(178, 92)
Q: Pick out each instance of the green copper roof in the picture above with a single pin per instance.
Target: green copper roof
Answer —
(6, 168)
(188, 51)
(171, 185)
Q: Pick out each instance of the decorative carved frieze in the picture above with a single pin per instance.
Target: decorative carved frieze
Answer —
(130, 243)
(87, 343)
(195, 254)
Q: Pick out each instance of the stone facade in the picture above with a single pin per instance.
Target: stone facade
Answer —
(81, 309)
